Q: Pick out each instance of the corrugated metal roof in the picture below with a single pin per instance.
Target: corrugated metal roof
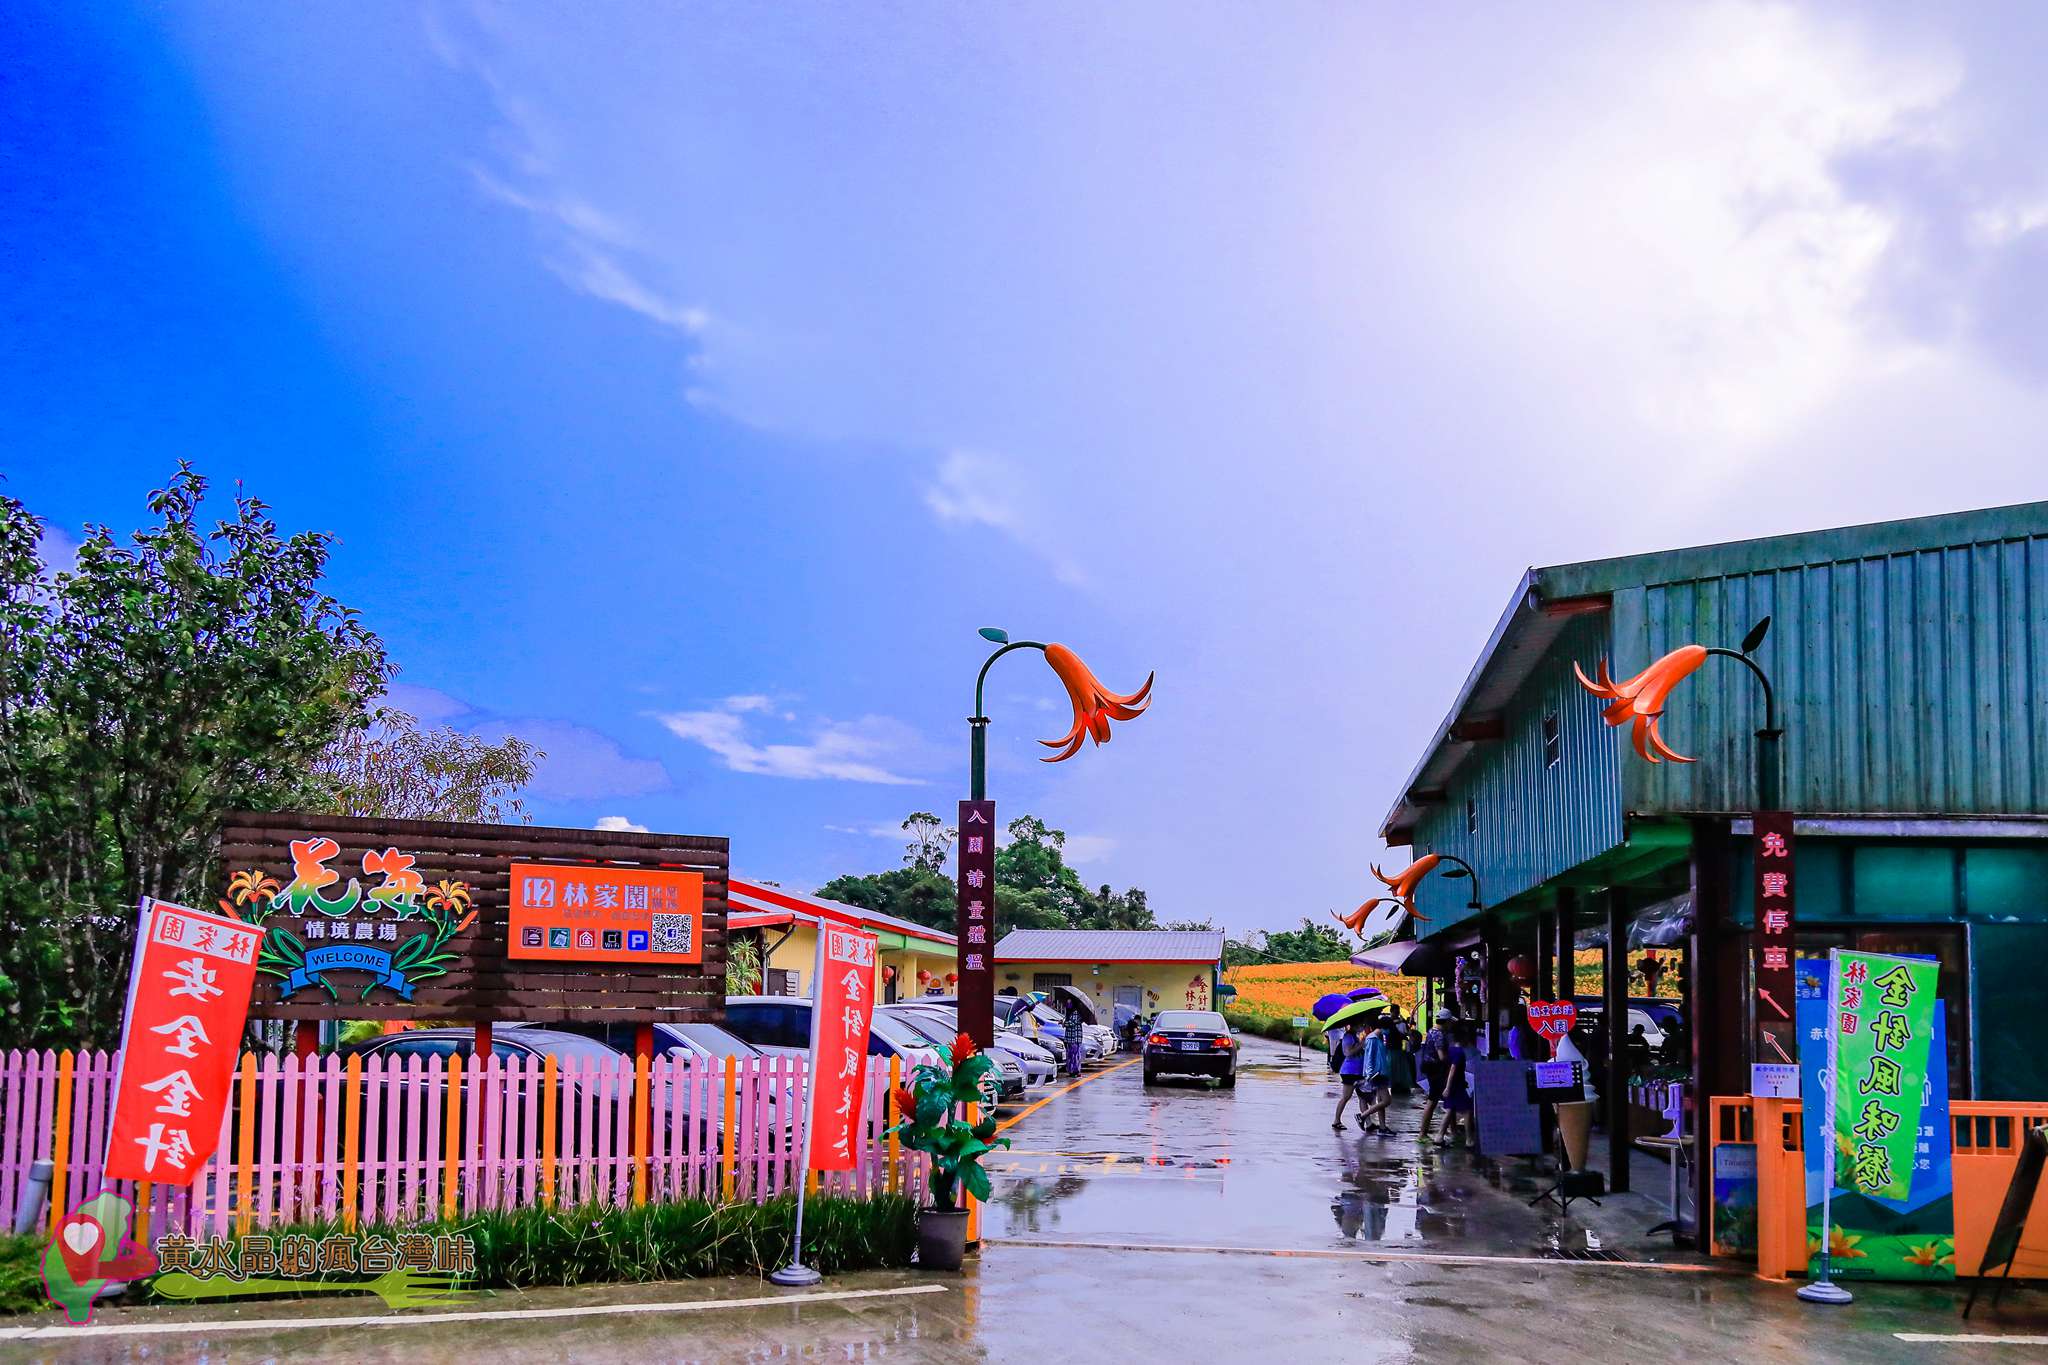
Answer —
(748, 898)
(1111, 945)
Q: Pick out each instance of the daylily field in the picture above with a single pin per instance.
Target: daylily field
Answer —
(1282, 990)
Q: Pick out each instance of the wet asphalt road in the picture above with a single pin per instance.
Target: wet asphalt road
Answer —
(1342, 1247)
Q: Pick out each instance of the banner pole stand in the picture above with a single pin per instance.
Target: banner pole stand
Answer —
(1822, 1289)
(796, 1274)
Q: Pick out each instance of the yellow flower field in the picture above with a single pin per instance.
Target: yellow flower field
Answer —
(1282, 990)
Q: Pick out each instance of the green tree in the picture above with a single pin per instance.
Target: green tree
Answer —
(145, 693)
(912, 893)
(931, 842)
(394, 770)
(1312, 942)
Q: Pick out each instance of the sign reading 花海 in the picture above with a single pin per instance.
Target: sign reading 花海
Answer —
(388, 937)
(413, 919)
(1884, 1020)
(605, 914)
(975, 921)
(188, 997)
(1777, 1031)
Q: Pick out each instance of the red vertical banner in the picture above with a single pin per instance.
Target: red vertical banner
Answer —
(1777, 1038)
(188, 997)
(975, 922)
(842, 1005)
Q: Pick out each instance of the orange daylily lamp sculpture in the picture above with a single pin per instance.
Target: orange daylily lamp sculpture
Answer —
(1094, 705)
(1638, 702)
(1401, 888)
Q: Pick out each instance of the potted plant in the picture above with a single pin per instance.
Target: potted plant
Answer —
(930, 1104)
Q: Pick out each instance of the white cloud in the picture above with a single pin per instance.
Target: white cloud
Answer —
(58, 549)
(428, 704)
(620, 823)
(874, 831)
(846, 751)
(1088, 848)
(1699, 261)
(973, 488)
(581, 763)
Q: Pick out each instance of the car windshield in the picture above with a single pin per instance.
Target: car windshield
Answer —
(715, 1040)
(928, 1024)
(1192, 1019)
(898, 1032)
(568, 1045)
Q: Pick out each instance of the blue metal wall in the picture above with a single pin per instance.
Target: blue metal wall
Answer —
(1535, 821)
(1908, 683)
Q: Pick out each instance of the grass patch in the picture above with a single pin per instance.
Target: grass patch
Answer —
(1282, 1030)
(599, 1244)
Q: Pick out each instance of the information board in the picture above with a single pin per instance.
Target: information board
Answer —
(605, 914)
(1508, 1122)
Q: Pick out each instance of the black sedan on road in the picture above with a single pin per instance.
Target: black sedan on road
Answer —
(1191, 1043)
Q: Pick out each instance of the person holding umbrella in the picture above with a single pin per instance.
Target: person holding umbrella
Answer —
(1348, 1047)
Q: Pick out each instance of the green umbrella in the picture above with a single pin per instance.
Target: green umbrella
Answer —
(1357, 1009)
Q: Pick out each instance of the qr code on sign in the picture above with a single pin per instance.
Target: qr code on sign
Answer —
(672, 933)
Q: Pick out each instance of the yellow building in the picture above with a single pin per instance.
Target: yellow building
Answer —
(912, 959)
(1148, 969)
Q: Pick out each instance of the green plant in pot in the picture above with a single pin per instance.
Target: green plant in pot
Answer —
(930, 1104)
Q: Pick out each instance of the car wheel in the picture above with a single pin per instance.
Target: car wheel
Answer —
(1230, 1079)
(1151, 1076)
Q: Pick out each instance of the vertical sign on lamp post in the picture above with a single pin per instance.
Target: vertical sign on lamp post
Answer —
(975, 918)
(842, 1001)
(1777, 1034)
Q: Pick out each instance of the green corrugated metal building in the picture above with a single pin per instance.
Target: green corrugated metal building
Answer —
(1911, 665)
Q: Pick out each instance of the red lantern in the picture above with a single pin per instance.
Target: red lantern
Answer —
(951, 977)
(888, 973)
(923, 976)
(1521, 969)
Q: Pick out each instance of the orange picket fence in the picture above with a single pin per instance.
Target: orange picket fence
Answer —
(1987, 1136)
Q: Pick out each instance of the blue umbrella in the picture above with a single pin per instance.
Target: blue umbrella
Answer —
(1357, 1009)
(1329, 1005)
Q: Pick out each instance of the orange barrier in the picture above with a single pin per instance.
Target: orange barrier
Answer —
(1986, 1134)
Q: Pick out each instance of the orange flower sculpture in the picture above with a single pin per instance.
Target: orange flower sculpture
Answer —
(963, 1048)
(1640, 699)
(1402, 888)
(1094, 705)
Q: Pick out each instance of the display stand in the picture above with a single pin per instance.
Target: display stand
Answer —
(1552, 1084)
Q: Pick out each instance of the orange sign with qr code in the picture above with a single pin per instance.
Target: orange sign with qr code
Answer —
(605, 914)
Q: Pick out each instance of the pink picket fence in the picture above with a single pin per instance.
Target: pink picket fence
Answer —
(300, 1141)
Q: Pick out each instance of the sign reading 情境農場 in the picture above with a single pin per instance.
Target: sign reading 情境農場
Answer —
(1883, 1009)
(605, 914)
(188, 997)
(395, 933)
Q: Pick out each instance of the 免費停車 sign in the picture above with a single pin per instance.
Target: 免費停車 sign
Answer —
(188, 997)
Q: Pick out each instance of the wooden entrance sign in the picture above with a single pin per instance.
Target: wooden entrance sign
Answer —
(414, 919)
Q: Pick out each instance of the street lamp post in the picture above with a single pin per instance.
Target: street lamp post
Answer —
(1095, 706)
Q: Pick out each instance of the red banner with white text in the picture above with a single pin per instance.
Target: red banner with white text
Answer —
(188, 998)
(843, 1003)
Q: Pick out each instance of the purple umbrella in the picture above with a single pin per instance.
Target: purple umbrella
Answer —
(1329, 1005)
(1364, 993)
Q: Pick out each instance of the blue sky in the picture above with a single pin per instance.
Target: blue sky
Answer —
(688, 382)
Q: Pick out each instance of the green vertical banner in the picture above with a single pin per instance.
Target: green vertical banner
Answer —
(1884, 1020)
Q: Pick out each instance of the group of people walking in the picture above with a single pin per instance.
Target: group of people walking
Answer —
(1381, 1058)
